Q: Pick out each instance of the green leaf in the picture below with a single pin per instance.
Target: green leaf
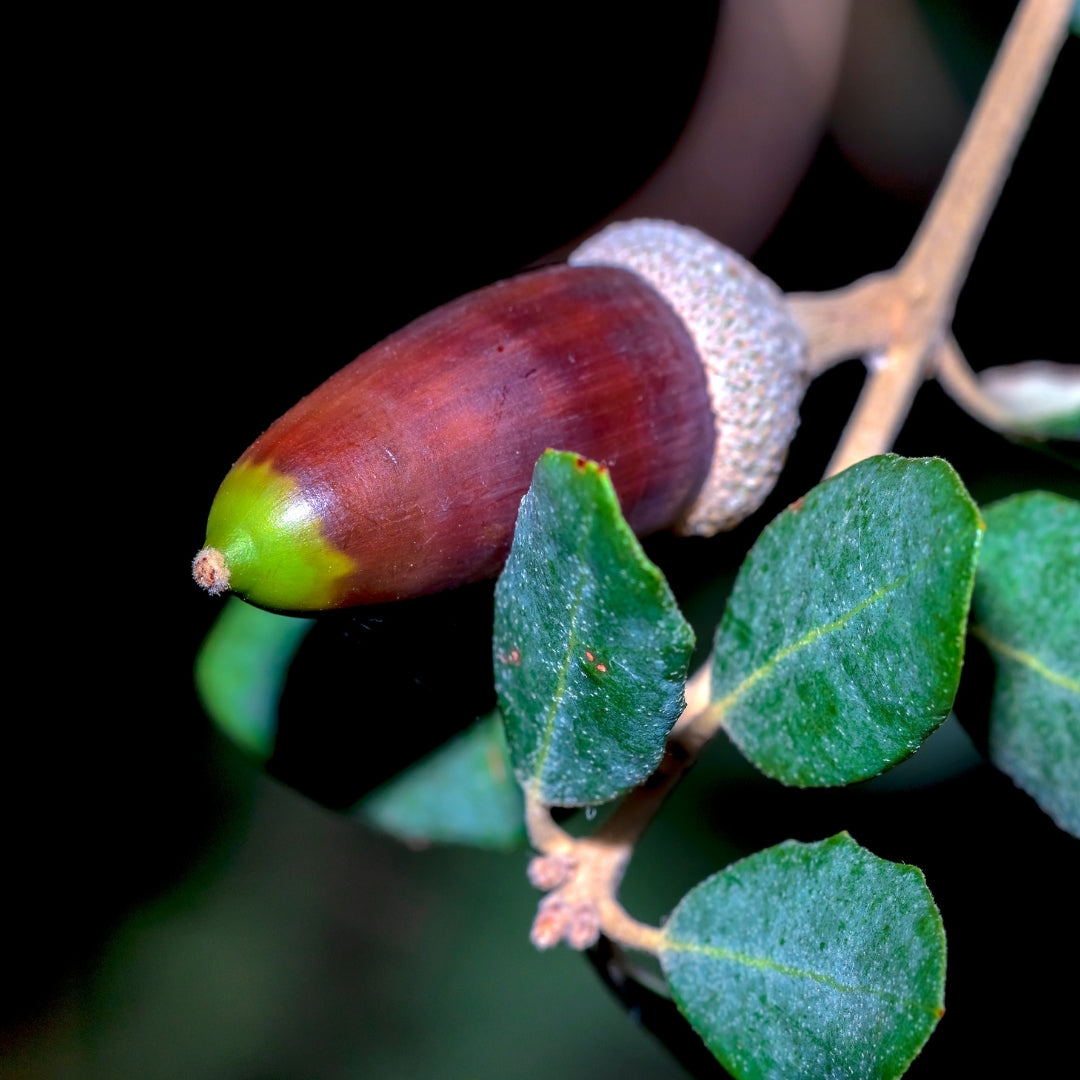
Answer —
(1026, 610)
(462, 793)
(841, 646)
(809, 960)
(240, 672)
(590, 648)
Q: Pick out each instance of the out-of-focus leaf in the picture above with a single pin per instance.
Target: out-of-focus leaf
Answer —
(240, 672)
(1026, 609)
(462, 793)
(590, 650)
(841, 646)
(1043, 399)
(809, 960)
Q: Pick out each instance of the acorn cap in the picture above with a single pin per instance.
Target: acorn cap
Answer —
(753, 351)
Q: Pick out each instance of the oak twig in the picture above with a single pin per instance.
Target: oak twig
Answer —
(654, 1010)
(901, 318)
(974, 396)
(899, 322)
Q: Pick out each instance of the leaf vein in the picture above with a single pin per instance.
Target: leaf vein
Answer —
(716, 952)
(813, 634)
(550, 720)
(1027, 659)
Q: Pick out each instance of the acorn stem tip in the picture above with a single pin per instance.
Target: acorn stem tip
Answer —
(211, 571)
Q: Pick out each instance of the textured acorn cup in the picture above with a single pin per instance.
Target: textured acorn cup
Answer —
(657, 352)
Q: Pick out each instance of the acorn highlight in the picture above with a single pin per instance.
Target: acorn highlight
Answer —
(656, 352)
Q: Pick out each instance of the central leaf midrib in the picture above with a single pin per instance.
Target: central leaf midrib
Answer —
(716, 952)
(722, 705)
(550, 720)
(1025, 659)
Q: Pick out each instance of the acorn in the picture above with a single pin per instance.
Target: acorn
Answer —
(655, 351)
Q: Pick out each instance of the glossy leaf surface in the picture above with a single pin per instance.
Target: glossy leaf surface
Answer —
(809, 960)
(590, 650)
(841, 646)
(240, 672)
(462, 793)
(1026, 610)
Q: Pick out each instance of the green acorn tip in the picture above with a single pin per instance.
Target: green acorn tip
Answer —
(211, 571)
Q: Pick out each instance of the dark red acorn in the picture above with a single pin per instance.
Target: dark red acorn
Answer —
(402, 473)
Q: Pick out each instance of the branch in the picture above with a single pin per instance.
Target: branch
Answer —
(900, 319)
(847, 322)
(879, 414)
(582, 879)
(654, 1011)
(940, 255)
(1005, 398)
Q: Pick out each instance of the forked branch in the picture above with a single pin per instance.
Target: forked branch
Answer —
(900, 322)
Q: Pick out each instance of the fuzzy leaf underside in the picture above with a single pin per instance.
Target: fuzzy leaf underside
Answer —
(809, 961)
(462, 793)
(240, 672)
(590, 650)
(1040, 399)
(1026, 610)
(841, 646)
